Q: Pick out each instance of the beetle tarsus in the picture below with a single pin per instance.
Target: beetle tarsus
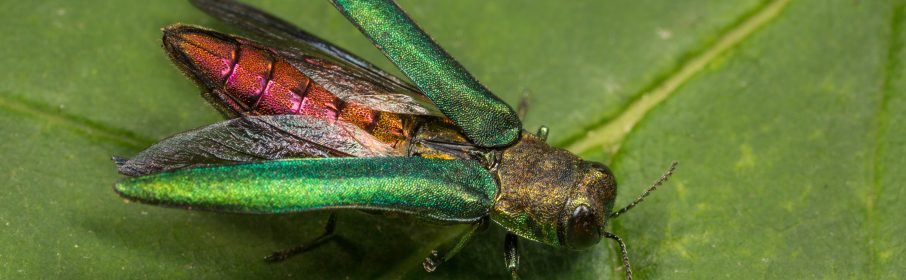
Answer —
(323, 238)
(432, 261)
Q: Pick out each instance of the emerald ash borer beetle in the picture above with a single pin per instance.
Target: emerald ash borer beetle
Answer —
(312, 127)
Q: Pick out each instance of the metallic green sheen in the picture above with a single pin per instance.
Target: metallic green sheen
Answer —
(454, 191)
(485, 119)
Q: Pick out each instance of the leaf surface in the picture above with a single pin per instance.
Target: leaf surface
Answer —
(786, 117)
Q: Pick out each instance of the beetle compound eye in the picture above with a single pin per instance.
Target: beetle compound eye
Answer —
(582, 229)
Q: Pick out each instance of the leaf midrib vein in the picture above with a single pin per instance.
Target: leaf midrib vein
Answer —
(610, 135)
(891, 70)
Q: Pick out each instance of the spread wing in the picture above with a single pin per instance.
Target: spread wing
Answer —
(256, 138)
(342, 73)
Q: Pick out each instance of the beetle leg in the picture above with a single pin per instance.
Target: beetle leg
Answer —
(511, 253)
(314, 243)
(437, 257)
(523, 107)
(542, 132)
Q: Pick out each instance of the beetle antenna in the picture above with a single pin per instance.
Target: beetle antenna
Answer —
(648, 191)
(623, 253)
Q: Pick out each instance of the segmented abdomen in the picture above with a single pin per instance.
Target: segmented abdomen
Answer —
(251, 80)
(264, 84)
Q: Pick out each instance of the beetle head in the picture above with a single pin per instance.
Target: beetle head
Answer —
(585, 213)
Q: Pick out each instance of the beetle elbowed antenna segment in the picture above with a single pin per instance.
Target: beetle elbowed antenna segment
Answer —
(660, 181)
(312, 127)
(623, 252)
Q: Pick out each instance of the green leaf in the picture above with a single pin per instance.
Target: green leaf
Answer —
(786, 117)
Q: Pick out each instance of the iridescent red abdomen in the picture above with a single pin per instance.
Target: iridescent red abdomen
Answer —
(246, 79)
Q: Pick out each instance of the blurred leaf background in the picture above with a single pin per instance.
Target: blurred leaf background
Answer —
(787, 118)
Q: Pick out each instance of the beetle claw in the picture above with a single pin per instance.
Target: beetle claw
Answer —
(432, 261)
